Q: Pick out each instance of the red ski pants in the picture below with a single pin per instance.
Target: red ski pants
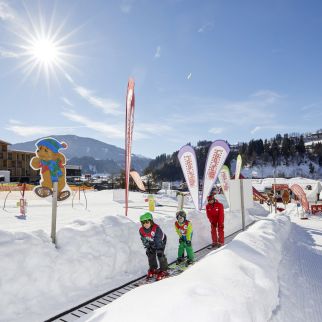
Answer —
(217, 229)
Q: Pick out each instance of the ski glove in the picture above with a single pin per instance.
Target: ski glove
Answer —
(182, 239)
(149, 251)
(188, 242)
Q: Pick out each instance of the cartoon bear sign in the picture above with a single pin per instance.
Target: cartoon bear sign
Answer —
(51, 164)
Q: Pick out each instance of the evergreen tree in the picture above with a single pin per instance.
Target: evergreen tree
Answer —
(274, 152)
(286, 148)
(300, 147)
(311, 167)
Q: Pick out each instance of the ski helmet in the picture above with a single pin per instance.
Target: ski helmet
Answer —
(181, 213)
(146, 216)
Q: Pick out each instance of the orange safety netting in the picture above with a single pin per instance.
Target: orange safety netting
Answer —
(16, 187)
(30, 187)
(82, 187)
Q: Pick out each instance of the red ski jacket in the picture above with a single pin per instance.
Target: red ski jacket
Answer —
(215, 211)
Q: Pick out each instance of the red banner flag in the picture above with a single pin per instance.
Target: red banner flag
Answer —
(129, 123)
(299, 192)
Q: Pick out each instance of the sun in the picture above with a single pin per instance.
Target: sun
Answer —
(44, 49)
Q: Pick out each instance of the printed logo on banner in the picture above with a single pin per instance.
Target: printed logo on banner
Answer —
(215, 160)
(190, 170)
(224, 178)
(217, 155)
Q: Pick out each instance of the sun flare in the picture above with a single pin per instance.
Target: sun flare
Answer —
(43, 48)
(45, 51)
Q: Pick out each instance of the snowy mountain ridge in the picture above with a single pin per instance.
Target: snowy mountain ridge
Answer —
(93, 155)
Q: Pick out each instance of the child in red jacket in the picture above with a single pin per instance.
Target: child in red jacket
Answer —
(215, 214)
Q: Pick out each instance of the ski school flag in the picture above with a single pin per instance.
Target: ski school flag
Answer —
(224, 178)
(217, 155)
(129, 123)
(299, 192)
(137, 179)
(188, 162)
(238, 166)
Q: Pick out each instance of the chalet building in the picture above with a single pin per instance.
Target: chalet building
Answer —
(17, 162)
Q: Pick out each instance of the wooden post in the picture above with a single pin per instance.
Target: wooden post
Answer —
(242, 203)
(54, 213)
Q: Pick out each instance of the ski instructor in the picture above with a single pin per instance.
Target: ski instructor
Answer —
(215, 214)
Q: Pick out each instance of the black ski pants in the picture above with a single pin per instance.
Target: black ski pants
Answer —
(153, 254)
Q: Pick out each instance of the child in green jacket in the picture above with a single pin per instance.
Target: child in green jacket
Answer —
(184, 230)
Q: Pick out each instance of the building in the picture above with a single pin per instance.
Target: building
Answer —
(18, 163)
(73, 172)
(4, 176)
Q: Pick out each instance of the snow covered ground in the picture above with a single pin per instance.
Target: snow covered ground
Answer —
(269, 273)
(272, 272)
(290, 171)
(97, 250)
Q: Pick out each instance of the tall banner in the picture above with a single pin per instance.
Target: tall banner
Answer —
(259, 196)
(217, 155)
(224, 178)
(129, 123)
(137, 179)
(299, 192)
(238, 166)
(188, 162)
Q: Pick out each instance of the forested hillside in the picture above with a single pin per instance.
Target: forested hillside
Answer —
(288, 151)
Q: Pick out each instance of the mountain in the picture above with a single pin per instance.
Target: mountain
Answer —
(93, 155)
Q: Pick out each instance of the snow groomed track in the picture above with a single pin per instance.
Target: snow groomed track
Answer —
(89, 306)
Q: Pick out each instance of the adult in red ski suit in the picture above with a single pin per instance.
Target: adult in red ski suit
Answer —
(215, 214)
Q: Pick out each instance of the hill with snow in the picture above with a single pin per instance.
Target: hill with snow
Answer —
(93, 155)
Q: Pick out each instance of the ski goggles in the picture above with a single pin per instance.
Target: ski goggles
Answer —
(145, 222)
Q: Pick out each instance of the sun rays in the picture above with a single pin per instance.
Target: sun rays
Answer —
(43, 48)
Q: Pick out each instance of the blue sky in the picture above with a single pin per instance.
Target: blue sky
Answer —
(233, 70)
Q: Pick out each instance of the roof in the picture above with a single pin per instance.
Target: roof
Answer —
(21, 151)
(1, 141)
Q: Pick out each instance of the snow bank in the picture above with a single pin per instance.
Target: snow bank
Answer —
(238, 282)
(38, 280)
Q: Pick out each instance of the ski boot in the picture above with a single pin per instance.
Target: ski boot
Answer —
(189, 262)
(151, 273)
(179, 260)
(219, 245)
(161, 275)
